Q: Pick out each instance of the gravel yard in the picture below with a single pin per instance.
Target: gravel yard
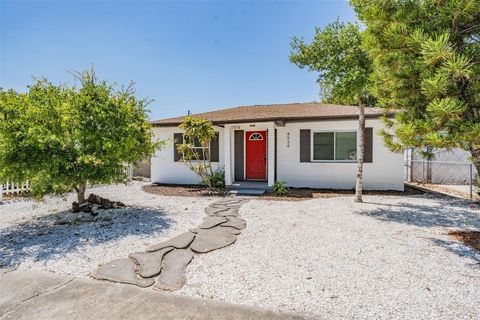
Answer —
(31, 239)
(390, 257)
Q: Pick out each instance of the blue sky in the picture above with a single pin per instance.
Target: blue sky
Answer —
(197, 56)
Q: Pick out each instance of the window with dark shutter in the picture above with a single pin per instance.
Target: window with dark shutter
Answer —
(304, 145)
(368, 155)
(177, 139)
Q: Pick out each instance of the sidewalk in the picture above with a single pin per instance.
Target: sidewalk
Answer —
(37, 295)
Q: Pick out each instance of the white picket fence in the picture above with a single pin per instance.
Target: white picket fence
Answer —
(12, 188)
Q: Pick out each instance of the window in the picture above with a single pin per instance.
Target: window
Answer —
(255, 137)
(335, 146)
(197, 147)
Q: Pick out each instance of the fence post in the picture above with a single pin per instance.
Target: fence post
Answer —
(471, 180)
(1, 193)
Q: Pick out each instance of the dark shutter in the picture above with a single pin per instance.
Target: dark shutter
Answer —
(305, 145)
(214, 149)
(177, 139)
(275, 177)
(239, 155)
(368, 156)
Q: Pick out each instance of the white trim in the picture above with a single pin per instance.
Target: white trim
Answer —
(334, 146)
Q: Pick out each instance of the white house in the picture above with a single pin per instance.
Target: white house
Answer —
(305, 144)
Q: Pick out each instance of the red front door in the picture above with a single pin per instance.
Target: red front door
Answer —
(256, 155)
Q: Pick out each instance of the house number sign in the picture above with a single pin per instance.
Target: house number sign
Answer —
(288, 139)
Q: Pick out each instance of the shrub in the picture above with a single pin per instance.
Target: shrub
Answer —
(280, 188)
(215, 180)
(476, 183)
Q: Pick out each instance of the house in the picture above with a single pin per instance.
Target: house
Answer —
(305, 144)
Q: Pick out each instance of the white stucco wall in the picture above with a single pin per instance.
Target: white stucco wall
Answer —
(166, 170)
(385, 173)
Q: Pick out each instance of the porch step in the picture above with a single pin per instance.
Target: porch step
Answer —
(247, 192)
(251, 185)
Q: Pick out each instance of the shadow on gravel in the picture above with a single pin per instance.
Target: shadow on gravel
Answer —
(444, 212)
(44, 237)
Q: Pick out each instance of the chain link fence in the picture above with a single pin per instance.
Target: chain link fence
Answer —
(457, 176)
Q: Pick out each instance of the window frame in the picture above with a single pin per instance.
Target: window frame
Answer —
(312, 145)
(198, 148)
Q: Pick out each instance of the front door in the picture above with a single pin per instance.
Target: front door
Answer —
(256, 155)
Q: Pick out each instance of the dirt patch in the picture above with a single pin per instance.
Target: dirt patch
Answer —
(294, 194)
(184, 190)
(470, 238)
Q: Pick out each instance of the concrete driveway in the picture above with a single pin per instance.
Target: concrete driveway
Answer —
(39, 295)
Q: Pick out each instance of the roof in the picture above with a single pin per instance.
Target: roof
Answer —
(277, 112)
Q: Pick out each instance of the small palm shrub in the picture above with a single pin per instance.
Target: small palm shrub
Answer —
(280, 188)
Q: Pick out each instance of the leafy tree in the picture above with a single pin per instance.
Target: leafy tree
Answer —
(195, 150)
(426, 59)
(60, 139)
(344, 69)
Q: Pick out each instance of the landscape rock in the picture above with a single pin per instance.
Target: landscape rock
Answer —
(122, 271)
(181, 241)
(172, 276)
(149, 264)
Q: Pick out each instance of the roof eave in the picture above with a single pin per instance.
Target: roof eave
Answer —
(289, 119)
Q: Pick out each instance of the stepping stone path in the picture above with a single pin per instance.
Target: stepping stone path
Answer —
(168, 260)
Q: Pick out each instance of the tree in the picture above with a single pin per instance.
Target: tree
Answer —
(60, 139)
(426, 61)
(195, 150)
(344, 69)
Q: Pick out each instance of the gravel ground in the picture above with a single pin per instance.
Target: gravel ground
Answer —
(30, 237)
(388, 258)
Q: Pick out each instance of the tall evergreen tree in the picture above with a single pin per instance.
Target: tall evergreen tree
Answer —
(344, 69)
(426, 61)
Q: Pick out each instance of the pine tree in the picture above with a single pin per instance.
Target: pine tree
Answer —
(426, 61)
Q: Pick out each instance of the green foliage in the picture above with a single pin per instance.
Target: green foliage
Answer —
(426, 66)
(343, 66)
(215, 180)
(199, 161)
(60, 138)
(476, 183)
(280, 188)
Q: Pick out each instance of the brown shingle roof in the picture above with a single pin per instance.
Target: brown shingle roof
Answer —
(276, 112)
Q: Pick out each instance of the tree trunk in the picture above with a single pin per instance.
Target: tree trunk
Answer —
(81, 193)
(361, 152)
(475, 153)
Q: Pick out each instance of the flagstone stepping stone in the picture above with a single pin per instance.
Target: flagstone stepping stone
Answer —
(225, 206)
(212, 239)
(229, 229)
(181, 241)
(228, 213)
(123, 271)
(212, 221)
(193, 230)
(172, 276)
(149, 264)
(211, 211)
(234, 222)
